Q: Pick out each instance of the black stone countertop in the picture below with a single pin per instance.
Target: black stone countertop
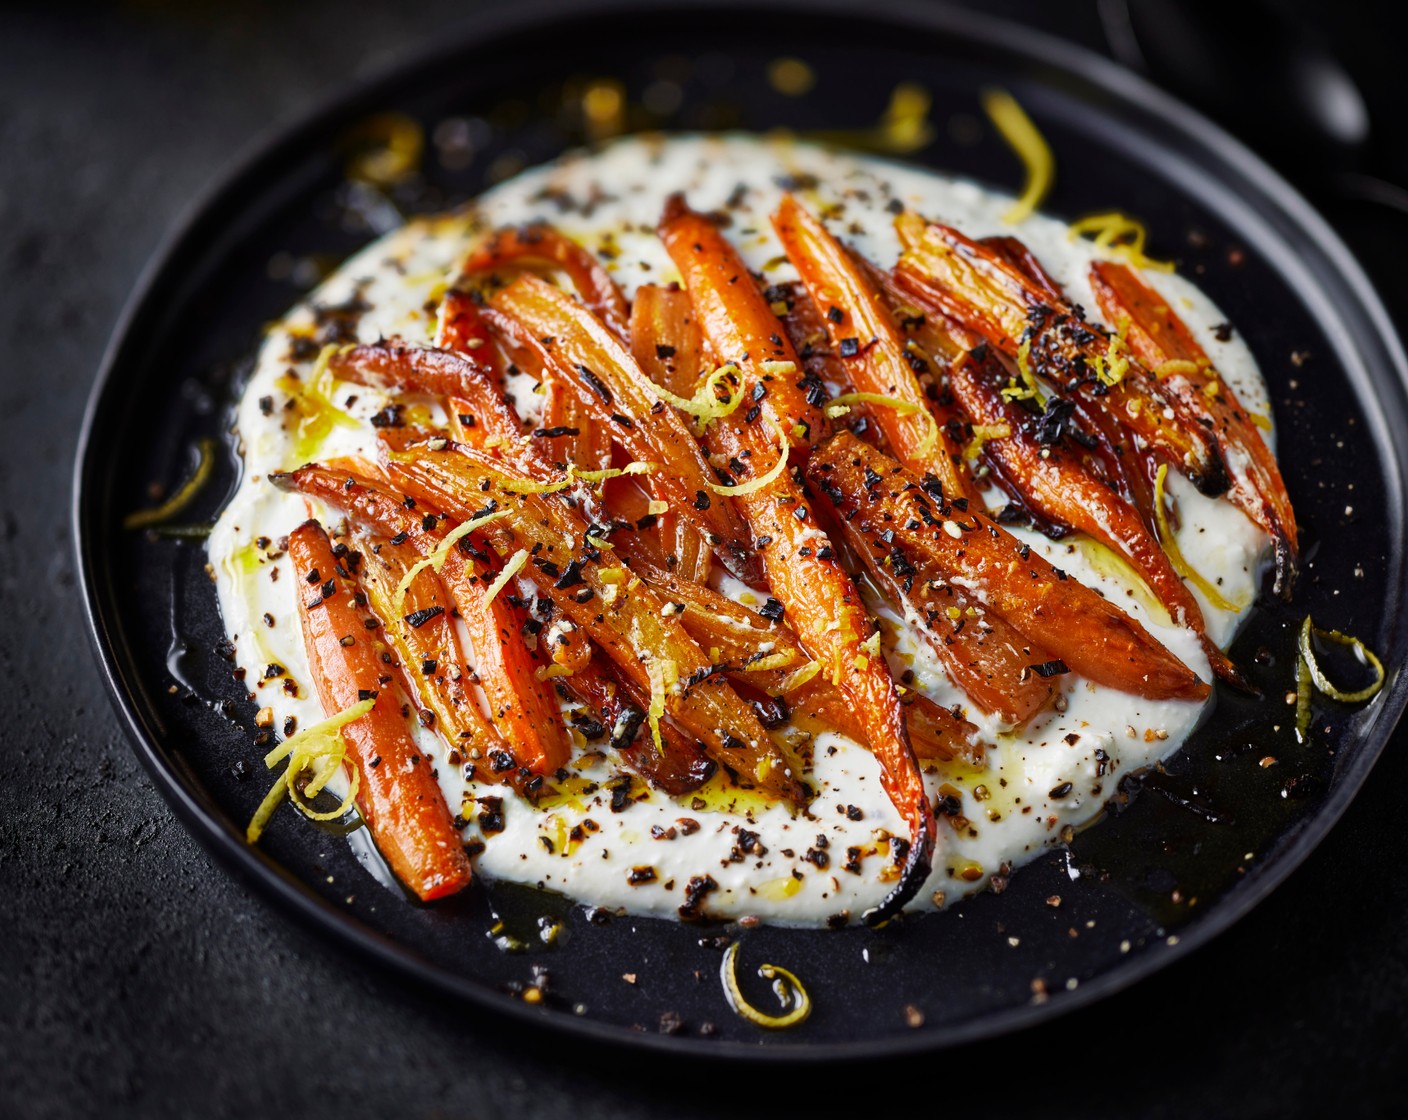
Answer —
(136, 978)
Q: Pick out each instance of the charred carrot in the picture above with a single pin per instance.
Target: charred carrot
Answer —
(419, 628)
(737, 633)
(438, 373)
(1163, 342)
(1031, 453)
(976, 286)
(520, 704)
(1088, 635)
(740, 326)
(398, 795)
(624, 618)
(871, 348)
(677, 767)
(613, 388)
(541, 244)
(818, 597)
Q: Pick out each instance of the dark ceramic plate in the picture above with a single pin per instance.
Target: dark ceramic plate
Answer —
(1197, 848)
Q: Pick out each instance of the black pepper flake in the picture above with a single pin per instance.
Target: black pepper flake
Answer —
(500, 761)
(662, 352)
(701, 499)
(313, 576)
(596, 383)
(554, 433)
(571, 577)
(400, 538)
(389, 417)
(695, 892)
(491, 814)
(772, 610)
(638, 876)
(1058, 792)
(366, 694)
(1053, 668)
(835, 315)
(849, 347)
(419, 618)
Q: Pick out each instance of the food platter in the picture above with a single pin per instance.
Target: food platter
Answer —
(1200, 844)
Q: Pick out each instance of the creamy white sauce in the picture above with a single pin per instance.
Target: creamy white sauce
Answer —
(1100, 735)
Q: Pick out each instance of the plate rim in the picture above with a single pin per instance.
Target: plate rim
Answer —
(251, 866)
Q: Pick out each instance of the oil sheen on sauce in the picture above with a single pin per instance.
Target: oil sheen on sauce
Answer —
(833, 860)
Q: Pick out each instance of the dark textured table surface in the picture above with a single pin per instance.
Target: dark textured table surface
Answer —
(136, 978)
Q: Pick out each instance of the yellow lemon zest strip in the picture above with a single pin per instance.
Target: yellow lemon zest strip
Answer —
(205, 465)
(437, 558)
(320, 749)
(1026, 140)
(788, 988)
(839, 406)
(1175, 554)
(1120, 236)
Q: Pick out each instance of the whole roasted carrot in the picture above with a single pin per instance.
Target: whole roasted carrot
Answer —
(1163, 342)
(978, 287)
(544, 245)
(1032, 456)
(871, 347)
(520, 705)
(817, 595)
(1089, 635)
(398, 795)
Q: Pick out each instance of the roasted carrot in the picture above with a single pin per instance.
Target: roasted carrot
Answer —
(984, 655)
(979, 288)
(871, 348)
(438, 373)
(737, 633)
(819, 598)
(669, 348)
(677, 767)
(522, 706)
(741, 327)
(1032, 456)
(420, 631)
(624, 618)
(1163, 342)
(542, 245)
(1088, 635)
(610, 385)
(666, 341)
(461, 328)
(397, 795)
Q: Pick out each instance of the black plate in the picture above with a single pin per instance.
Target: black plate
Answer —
(1202, 844)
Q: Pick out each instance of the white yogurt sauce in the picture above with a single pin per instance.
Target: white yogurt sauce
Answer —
(610, 200)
